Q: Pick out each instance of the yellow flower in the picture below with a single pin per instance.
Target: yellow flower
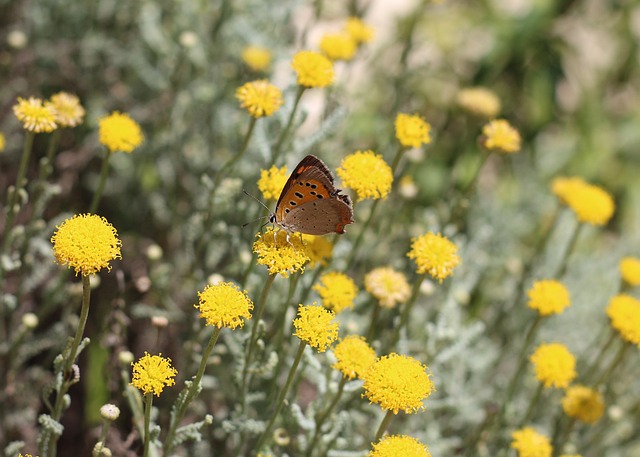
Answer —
(260, 98)
(434, 254)
(388, 286)
(412, 131)
(624, 312)
(312, 69)
(152, 373)
(279, 255)
(554, 365)
(548, 297)
(118, 132)
(629, 269)
(69, 111)
(336, 290)
(25, 455)
(354, 356)
(224, 305)
(399, 446)
(272, 182)
(256, 58)
(499, 135)
(583, 403)
(36, 116)
(367, 174)
(338, 46)
(87, 243)
(2, 142)
(360, 31)
(590, 203)
(397, 382)
(316, 327)
(530, 443)
(319, 249)
(479, 101)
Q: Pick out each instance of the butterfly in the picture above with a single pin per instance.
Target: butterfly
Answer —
(310, 203)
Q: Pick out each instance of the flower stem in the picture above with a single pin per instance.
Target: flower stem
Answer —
(277, 149)
(406, 312)
(396, 159)
(384, 425)
(562, 268)
(356, 244)
(148, 400)
(599, 358)
(325, 414)
(532, 404)
(606, 375)
(283, 395)
(103, 180)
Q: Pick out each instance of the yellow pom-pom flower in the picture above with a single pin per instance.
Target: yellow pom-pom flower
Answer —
(499, 135)
(256, 58)
(367, 174)
(118, 132)
(2, 142)
(86, 243)
(152, 373)
(398, 446)
(630, 270)
(224, 305)
(530, 443)
(319, 249)
(279, 255)
(36, 116)
(313, 69)
(388, 286)
(69, 111)
(354, 356)
(434, 254)
(272, 182)
(398, 383)
(260, 98)
(338, 46)
(336, 290)
(591, 204)
(583, 403)
(315, 325)
(554, 365)
(624, 312)
(548, 297)
(412, 131)
(359, 30)
(479, 101)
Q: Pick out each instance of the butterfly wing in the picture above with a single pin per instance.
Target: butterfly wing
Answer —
(320, 217)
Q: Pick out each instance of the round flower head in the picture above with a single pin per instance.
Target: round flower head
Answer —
(319, 249)
(354, 356)
(313, 69)
(336, 290)
(498, 135)
(583, 403)
(152, 373)
(360, 31)
(118, 132)
(272, 182)
(256, 58)
(2, 142)
(338, 46)
(224, 305)
(279, 255)
(36, 116)
(316, 327)
(624, 312)
(87, 243)
(388, 286)
(397, 383)
(548, 297)
(260, 98)
(412, 131)
(69, 111)
(554, 365)
(398, 445)
(434, 254)
(590, 203)
(479, 101)
(367, 174)
(530, 443)
(630, 270)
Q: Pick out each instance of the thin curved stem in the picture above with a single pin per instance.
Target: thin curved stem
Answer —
(384, 425)
(277, 149)
(103, 180)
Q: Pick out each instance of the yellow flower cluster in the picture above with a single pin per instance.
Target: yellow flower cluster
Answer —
(412, 131)
(260, 98)
(583, 403)
(359, 31)
(69, 111)
(36, 116)
(224, 305)
(336, 290)
(315, 326)
(272, 182)
(479, 101)
(281, 254)
(354, 356)
(624, 312)
(591, 204)
(530, 443)
(630, 270)
(313, 69)
(548, 297)
(256, 58)
(499, 135)
(319, 249)
(118, 132)
(399, 445)
(388, 286)
(434, 254)
(338, 46)
(554, 365)
(367, 174)
(152, 373)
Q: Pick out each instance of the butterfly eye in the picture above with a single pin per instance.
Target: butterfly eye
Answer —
(272, 219)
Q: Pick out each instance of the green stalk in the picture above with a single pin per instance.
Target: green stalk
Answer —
(148, 400)
(356, 244)
(277, 149)
(406, 312)
(384, 425)
(572, 244)
(103, 179)
(622, 352)
(325, 414)
(532, 404)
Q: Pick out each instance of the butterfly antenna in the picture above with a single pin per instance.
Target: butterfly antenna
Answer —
(256, 199)
(258, 218)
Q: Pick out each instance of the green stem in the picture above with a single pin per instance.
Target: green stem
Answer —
(532, 404)
(384, 425)
(103, 180)
(406, 312)
(572, 244)
(148, 400)
(599, 358)
(325, 414)
(356, 244)
(396, 160)
(373, 321)
(281, 398)
(277, 149)
(97, 450)
(606, 375)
